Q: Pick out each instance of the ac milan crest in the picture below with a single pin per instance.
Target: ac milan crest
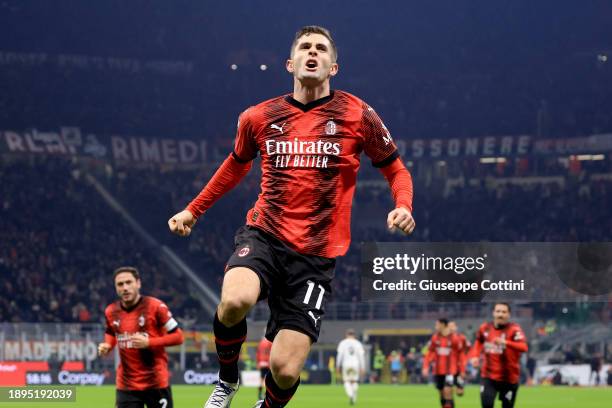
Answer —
(331, 128)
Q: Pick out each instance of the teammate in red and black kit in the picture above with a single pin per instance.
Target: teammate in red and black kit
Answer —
(463, 348)
(443, 351)
(142, 326)
(262, 358)
(501, 343)
(310, 143)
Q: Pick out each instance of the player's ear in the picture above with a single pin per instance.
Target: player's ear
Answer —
(333, 70)
(289, 66)
(138, 283)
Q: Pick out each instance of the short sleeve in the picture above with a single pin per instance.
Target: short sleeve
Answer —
(245, 145)
(378, 143)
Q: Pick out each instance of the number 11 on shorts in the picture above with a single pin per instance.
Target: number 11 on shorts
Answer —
(311, 286)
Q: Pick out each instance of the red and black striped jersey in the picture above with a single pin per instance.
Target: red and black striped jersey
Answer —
(310, 155)
(500, 362)
(140, 369)
(443, 351)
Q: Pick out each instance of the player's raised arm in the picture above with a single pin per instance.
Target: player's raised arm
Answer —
(400, 182)
(227, 176)
(379, 146)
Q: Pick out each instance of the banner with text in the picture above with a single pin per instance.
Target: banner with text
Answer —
(513, 145)
(71, 141)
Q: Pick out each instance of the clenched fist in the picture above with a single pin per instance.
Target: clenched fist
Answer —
(104, 348)
(182, 223)
(401, 219)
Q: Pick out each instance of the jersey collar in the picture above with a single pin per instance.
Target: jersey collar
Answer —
(309, 105)
(501, 326)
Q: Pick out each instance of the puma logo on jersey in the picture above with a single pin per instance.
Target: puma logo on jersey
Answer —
(279, 128)
(316, 319)
(386, 138)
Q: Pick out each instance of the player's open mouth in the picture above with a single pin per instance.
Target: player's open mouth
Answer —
(311, 65)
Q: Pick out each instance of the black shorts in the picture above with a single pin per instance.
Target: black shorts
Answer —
(297, 286)
(158, 398)
(490, 388)
(459, 381)
(264, 371)
(442, 381)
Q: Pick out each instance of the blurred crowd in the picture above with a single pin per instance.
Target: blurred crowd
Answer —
(59, 244)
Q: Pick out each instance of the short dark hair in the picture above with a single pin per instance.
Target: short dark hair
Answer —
(443, 320)
(129, 269)
(314, 29)
(503, 303)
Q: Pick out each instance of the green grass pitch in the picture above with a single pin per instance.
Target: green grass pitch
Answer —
(383, 396)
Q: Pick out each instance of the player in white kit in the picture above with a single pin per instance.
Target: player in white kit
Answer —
(350, 361)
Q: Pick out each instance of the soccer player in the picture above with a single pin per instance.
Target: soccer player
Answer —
(501, 343)
(263, 362)
(463, 347)
(350, 361)
(142, 326)
(310, 143)
(442, 351)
